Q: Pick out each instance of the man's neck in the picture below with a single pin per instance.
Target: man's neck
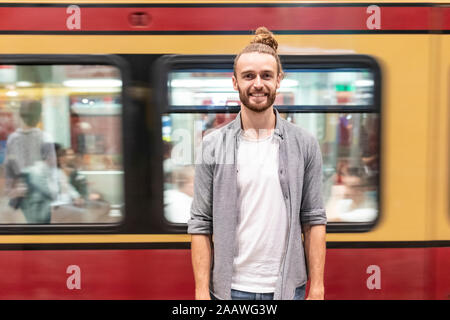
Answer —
(258, 125)
(26, 127)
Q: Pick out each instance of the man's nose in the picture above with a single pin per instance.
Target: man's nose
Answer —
(258, 82)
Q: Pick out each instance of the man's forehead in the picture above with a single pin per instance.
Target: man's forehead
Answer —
(254, 61)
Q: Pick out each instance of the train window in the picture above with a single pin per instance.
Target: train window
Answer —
(336, 99)
(308, 88)
(60, 144)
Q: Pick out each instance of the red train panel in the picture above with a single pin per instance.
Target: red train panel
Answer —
(225, 18)
(398, 273)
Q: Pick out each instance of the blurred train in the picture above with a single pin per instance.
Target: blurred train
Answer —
(128, 90)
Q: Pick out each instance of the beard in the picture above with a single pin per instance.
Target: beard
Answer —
(257, 107)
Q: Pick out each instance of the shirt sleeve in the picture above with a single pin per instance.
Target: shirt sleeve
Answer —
(312, 210)
(200, 221)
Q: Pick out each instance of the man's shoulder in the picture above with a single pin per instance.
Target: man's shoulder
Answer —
(14, 136)
(22, 134)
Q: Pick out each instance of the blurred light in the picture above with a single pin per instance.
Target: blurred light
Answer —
(24, 84)
(288, 83)
(12, 93)
(197, 83)
(93, 83)
(364, 83)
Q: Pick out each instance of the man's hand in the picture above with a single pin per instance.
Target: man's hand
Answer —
(19, 191)
(315, 249)
(201, 251)
(79, 202)
(316, 293)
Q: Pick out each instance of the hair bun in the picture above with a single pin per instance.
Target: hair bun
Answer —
(264, 36)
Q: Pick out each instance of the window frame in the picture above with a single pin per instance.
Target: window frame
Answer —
(168, 63)
(127, 119)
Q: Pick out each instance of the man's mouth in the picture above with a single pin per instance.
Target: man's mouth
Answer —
(258, 94)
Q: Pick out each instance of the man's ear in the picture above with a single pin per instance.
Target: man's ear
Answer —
(279, 78)
(235, 85)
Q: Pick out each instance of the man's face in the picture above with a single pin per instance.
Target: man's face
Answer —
(353, 188)
(257, 80)
(70, 158)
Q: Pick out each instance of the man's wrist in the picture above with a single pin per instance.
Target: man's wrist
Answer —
(202, 293)
(316, 291)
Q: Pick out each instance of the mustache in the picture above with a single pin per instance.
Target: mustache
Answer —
(258, 91)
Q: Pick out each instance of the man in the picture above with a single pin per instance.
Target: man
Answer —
(42, 187)
(23, 150)
(257, 189)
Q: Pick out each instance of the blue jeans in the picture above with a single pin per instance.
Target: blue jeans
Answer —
(243, 295)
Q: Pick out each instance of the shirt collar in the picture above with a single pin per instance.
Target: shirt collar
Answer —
(279, 126)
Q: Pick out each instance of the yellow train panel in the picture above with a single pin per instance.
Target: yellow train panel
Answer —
(405, 62)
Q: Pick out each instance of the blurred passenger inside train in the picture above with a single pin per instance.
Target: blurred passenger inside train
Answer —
(41, 181)
(369, 146)
(69, 163)
(75, 203)
(352, 200)
(177, 201)
(167, 165)
(24, 149)
(67, 194)
(222, 119)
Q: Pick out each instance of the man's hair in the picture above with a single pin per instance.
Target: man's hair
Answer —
(358, 172)
(30, 112)
(263, 42)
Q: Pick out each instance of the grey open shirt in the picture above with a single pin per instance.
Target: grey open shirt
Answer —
(215, 209)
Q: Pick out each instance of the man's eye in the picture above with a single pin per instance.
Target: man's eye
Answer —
(248, 76)
(267, 76)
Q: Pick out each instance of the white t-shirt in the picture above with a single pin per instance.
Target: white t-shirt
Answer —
(263, 221)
